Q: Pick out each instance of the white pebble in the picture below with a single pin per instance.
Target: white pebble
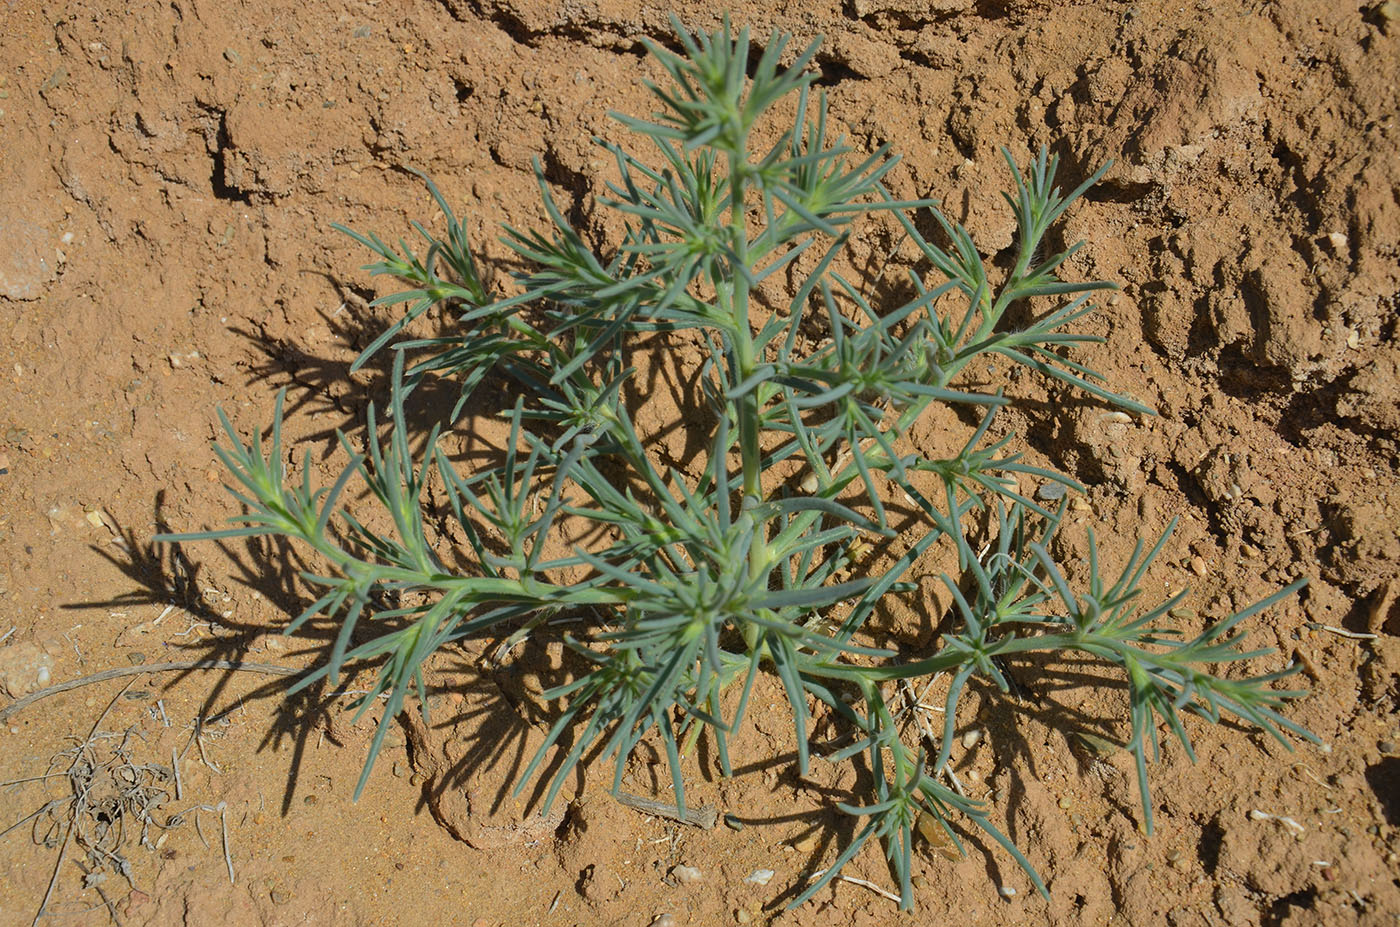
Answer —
(970, 739)
(664, 920)
(1007, 891)
(809, 483)
(1338, 241)
(760, 877)
(42, 677)
(687, 875)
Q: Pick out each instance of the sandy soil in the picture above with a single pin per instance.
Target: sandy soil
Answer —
(168, 176)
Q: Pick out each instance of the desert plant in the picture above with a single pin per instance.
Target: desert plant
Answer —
(698, 585)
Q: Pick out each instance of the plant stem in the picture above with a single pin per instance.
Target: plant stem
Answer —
(747, 409)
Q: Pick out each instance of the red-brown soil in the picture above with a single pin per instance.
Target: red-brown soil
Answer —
(168, 175)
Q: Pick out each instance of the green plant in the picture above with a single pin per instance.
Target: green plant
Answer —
(700, 584)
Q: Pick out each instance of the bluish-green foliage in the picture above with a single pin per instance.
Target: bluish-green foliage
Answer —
(708, 582)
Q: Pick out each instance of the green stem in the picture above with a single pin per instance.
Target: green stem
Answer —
(745, 359)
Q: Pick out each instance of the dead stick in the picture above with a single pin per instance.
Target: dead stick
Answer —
(270, 669)
(703, 817)
(223, 822)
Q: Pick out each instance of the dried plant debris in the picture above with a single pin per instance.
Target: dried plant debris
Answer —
(116, 804)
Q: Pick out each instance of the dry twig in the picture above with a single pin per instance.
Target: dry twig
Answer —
(267, 668)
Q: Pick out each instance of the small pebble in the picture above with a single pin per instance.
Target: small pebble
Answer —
(1050, 492)
(742, 916)
(280, 897)
(13, 729)
(1066, 803)
(1385, 746)
(733, 822)
(1338, 240)
(1183, 613)
(760, 877)
(805, 844)
(1006, 891)
(1198, 566)
(231, 56)
(664, 920)
(136, 657)
(1079, 504)
(809, 483)
(970, 739)
(687, 875)
(919, 881)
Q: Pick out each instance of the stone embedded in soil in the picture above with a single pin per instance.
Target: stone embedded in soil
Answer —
(28, 260)
(25, 667)
(760, 877)
(687, 875)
